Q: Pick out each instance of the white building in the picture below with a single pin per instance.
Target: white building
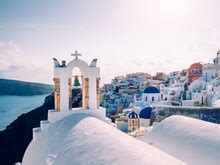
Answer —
(208, 72)
(151, 95)
(217, 59)
(84, 139)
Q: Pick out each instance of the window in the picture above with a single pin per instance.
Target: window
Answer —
(152, 98)
(196, 71)
(145, 98)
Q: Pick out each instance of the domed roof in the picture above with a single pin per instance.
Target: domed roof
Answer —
(151, 89)
(145, 113)
(133, 115)
(64, 141)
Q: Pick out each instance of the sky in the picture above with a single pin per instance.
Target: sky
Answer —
(125, 35)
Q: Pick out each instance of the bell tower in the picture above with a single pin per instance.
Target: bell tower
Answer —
(63, 83)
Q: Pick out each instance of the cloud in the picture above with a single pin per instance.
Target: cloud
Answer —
(35, 26)
(15, 65)
(11, 57)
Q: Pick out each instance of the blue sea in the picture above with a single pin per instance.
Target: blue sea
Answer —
(13, 106)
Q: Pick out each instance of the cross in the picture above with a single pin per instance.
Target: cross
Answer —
(76, 54)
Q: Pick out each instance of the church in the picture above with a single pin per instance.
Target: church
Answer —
(86, 136)
(63, 83)
(83, 135)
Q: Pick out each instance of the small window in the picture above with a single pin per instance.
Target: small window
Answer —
(152, 98)
(145, 98)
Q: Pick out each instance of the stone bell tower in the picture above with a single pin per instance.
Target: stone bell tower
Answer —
(63, 83)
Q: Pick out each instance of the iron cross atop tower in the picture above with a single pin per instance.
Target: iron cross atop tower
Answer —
(76, 54)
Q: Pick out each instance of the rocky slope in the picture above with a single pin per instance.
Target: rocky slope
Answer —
(16, 137)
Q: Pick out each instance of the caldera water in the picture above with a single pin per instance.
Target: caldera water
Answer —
(13, 106)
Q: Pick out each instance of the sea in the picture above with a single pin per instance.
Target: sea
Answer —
(13, 106)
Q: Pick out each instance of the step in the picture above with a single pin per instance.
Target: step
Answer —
(36, 132)
(44, 124)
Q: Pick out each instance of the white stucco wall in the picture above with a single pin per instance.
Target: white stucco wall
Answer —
(144, 122)
(64, 73)
(150, 96)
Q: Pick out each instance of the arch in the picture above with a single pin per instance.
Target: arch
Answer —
(84, 69)
(76, 71)
(83, 66)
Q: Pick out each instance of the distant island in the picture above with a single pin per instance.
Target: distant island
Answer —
(22, 88)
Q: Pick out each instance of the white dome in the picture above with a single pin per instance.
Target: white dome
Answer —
(190, 140)
(82, 139)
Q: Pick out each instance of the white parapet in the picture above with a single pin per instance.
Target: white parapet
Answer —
(54, 116)
(100, 113)
(44, 124)
(36, 132)
(108, 120)
(49, 114)
(113, 125)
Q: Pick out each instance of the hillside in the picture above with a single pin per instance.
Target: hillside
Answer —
(16, 137)
(22, 88)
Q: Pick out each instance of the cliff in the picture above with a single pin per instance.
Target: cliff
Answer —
(22, 88)
(16, 137)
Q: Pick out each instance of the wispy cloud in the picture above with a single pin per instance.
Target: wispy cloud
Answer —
(35, 26)
(15, 65)
(11, 57)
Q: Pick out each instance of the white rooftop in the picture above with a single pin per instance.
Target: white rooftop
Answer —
(82, 139)
(190, 140)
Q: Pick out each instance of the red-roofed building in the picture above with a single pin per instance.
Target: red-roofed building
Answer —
(194, 72)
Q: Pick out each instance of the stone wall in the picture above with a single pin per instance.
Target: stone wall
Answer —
(202, 113)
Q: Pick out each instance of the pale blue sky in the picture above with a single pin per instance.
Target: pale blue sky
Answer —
(125, 35)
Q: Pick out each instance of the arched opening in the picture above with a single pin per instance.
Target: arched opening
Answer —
(152, 98)
(76, 89)
(80, 69)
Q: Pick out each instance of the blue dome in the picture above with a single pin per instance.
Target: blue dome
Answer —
(133, 115)
(145, 113)
(151, 89)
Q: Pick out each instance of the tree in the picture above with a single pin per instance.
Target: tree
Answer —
(76, 82)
